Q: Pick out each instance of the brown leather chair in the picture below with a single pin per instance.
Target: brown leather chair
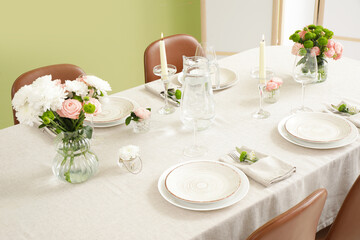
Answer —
(298, 223)
(347, 222)
(176, 46)
(58, 71)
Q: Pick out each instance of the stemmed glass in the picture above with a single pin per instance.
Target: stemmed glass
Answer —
(208, 51)
(261, 113)
(196, 102)
(305, 72)
(165, 78)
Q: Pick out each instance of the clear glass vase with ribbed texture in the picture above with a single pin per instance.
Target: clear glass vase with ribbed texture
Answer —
(74, 161)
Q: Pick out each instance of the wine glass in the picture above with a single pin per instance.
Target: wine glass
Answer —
(196, 102)
(208, 51)
(165, 78)
(305, 72)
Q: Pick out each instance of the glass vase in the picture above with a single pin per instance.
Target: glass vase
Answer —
(141, 126)
(271, 96)
(74, 162)
(322, 70)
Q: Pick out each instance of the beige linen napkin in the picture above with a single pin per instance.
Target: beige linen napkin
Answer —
(355, 119)
(266, 171)
(156, 87)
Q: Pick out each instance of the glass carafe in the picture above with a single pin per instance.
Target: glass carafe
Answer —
(197, 68)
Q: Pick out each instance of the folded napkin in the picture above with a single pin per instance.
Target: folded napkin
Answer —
(266, 171)
(355, 119)
(157, 88)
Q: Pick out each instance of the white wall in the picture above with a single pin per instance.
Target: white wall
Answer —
(296, 15)
(237, 25)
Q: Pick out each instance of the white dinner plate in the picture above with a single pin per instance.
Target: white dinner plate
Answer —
(236, 197)
(227, 79)
(202, 182)
(113, 112)
(317, 127)
(327, 145)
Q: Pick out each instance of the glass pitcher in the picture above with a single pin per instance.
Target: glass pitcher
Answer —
(196, 75)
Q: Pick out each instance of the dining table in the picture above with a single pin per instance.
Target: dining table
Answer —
(115, 204)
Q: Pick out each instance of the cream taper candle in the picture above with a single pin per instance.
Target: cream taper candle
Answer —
(163, 61)
(262, 67)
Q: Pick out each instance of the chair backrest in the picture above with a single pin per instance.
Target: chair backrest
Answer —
(298, 223)
(58, 71)
(347, 222)
(176, 46)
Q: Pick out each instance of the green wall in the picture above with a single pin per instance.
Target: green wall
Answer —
(106, 38)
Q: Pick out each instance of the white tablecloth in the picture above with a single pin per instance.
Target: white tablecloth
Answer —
(118, 205)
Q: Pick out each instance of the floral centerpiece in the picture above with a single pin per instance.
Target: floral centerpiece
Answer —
(318, 39)
(62, 108)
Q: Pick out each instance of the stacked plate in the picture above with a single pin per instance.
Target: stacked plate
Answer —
(203, 185)
(318, 130)
(114, 111)
(228, 78)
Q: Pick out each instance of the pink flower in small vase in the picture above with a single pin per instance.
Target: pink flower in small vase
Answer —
(315, 51)
(296, 48)
(331, 43)
(338, 50)
(302, 34)
(330, 52)
(71, 108)
(142, 113)
(277, 80)
(270, 86)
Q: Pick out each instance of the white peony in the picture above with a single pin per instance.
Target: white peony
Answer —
(98, 83)
(128, 152)
(31, 101)
(79, 88)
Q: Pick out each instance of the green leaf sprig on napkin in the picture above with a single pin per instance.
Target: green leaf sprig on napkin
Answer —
(247, 157)
(345, 108)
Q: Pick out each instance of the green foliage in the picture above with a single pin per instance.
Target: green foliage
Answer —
(309, 36)
(77, 98)
(178, 94)
(322, 41)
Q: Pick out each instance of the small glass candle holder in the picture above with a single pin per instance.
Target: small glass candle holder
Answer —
(165, 78)
(141, 126)
(261, 113)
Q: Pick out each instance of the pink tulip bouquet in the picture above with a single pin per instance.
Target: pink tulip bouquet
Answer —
(318, 39)
(60, 107)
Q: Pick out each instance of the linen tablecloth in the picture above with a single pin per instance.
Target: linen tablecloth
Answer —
(115, 204)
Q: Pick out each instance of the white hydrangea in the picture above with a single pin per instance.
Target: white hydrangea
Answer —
(252, 156)
(79, 88)
(31, 101)
(128, 152)
(98, 83)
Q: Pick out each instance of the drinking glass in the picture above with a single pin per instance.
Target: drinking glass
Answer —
(165, 78)
(208, 51)
(305, 72)
(196, 102)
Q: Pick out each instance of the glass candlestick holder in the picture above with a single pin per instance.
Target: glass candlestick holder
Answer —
(261, 113)
(165, 78)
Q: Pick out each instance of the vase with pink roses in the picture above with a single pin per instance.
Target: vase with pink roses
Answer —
(62, 108)
(317, 40)
(141, 119)
(272, 90)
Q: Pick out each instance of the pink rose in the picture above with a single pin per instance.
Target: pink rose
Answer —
(296, 48)
(71, 108)
(338, 48)
(331, 43)
(97, 105)
(302, 34)
(330, 53)
(271, 86)
(315, 51)
(337, 56)
(142, 113)
(277, 80)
